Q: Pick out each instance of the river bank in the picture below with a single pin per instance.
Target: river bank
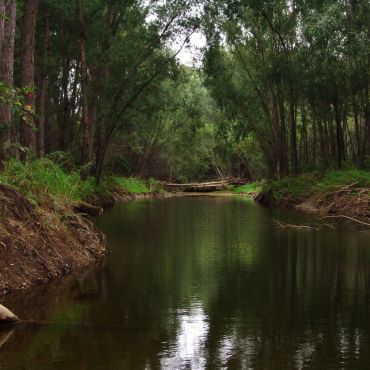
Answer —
(342, 194)
(46, 230)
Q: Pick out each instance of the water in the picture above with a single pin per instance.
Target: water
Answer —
(204, 283)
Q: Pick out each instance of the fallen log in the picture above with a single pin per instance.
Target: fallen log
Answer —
(7, 317)
(198, 187)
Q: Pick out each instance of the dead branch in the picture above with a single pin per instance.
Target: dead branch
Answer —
(345, 188)
(284, 225)
(348, 218)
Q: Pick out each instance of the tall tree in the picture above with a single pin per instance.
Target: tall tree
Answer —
(6, 74)
(86, 125)
(27, 79)
(2, 22)
(43, 87)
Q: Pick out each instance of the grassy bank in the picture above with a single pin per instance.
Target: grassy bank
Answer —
(43, 179)
(43, 234)
(295, 189)
(342, 193)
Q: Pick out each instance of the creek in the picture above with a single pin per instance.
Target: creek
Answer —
(204, 283)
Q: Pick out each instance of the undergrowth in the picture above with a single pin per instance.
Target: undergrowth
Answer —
(300, 187)
(131, 185)
(43, 179)
(251, 188)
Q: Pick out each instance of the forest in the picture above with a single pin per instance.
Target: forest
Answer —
(281, 87)
(118, 118)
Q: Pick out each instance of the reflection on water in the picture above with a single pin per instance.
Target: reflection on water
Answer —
(188, 350)
(5, 334)
(204, 283)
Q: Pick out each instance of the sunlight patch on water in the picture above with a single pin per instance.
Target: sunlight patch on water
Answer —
(188, 350)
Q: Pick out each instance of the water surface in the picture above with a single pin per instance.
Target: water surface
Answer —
(204, 283)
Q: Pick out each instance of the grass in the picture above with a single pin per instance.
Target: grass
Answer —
(336, 179)
(298, 188)
(131, 185)
(43, 179)
(293, 188)
(251, 188)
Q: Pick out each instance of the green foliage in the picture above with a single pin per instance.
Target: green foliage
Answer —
(292, 188)
(41, 178)
(297, 188)
(16, 98)
(131, 185)
(252, 188)
(294, 74)
(337, 179)
(173, 135)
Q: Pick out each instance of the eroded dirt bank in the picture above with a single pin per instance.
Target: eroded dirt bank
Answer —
(350, 202)
(40, 244)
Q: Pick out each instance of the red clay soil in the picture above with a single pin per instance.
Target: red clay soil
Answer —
(40, 244)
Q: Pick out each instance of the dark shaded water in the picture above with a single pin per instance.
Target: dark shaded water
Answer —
(204, 283)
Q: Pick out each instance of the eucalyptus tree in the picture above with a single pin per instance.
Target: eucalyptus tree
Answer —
(27, 71)
(8, 20)
(98, 58)
(302, 70)
(171, 134)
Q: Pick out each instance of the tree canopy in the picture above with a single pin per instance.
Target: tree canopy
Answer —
(282, 87)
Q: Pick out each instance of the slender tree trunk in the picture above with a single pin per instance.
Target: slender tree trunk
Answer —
(339, 134)
(6, 75)
(315, 125)
(43, 90)
(2, 23)
(359, 156)
(86, 142)
(304, 134)
(100, 157)
(64, 105)
(282, 137)
(366, 108)
(317, 122)
(27, 130)
(330, 134)
(293, 133)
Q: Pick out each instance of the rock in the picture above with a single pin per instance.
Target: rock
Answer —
(7, 316)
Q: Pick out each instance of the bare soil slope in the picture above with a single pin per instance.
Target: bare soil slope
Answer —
(39, 244)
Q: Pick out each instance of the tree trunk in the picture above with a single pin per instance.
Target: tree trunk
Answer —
(100, 157)
(2, 23)
(64, 105)
(317, 122)
(304, 134)
(86, 142)
(282, 136)
(366, 108)
(293, 133)
(6, 74)
(27, 130)
(339, 134)
(43, 90)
